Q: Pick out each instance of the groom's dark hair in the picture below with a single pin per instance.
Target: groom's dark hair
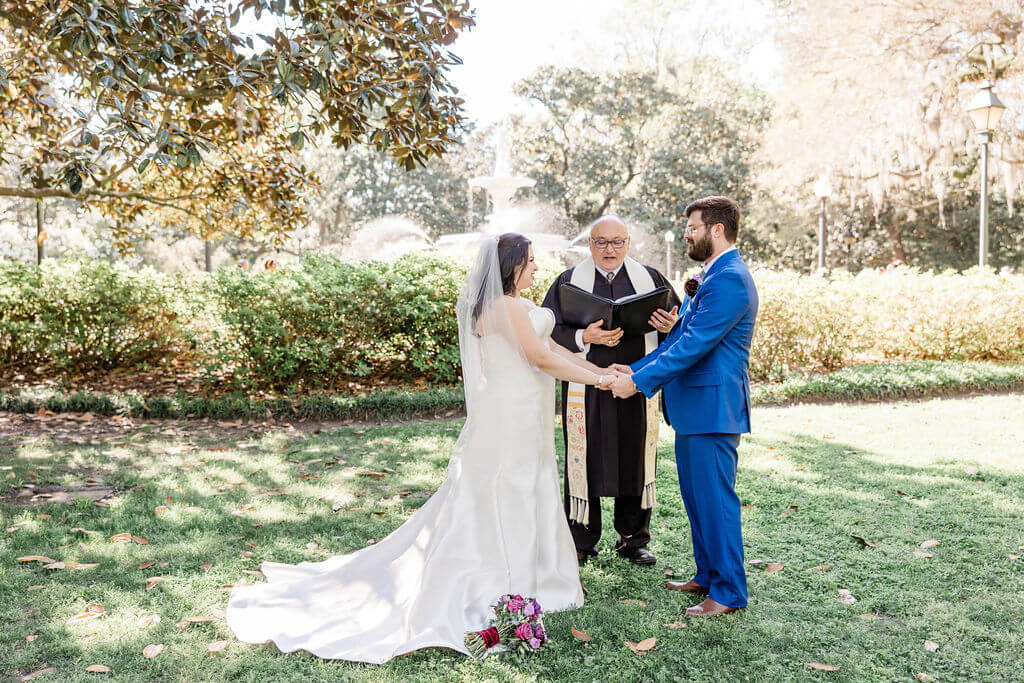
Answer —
(718, 210)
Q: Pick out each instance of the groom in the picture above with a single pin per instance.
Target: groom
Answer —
(702, 368)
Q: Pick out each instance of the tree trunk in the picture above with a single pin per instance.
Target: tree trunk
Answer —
(208, 255)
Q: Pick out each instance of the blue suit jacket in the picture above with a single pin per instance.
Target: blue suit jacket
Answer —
(702, 364)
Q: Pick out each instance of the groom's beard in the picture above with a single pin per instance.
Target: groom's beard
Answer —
(701, 250)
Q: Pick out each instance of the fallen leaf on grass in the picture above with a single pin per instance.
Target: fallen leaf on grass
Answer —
(152, 650)
(929, 544)
(216, 646)
(205, 566)
(867, 617)
(773, 567)
(14, 527)
(643, 646)
(91, 612)
(971, 470)
(925, 677)
(47, 670)
(822, 568)
(160, 509)
(921, 553)
(146, 565)
(931, 646)
(128, 538)
(219, 613)
(791, 508)
(865, 543)
(818, 666)
(70, 564)
(846, 597)
(580, 635)
(88, 637)
(97, 669)
(148, 620)
(755, 561)
(152, 581)
(29, 639)
(36, 558)
(633, 601)
(675, 625)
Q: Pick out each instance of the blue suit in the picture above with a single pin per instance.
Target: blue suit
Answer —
(702, 369)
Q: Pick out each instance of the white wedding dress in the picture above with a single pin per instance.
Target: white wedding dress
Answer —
(496, 525)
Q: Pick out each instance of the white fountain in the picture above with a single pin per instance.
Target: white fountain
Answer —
(501, 185)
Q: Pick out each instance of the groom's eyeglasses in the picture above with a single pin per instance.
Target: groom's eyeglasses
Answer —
(692, 229)
(604, 244)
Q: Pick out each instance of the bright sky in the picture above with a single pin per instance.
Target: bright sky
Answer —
(513, 37)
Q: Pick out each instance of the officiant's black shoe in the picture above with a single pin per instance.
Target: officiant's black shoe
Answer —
(640, 556)
(583, 555)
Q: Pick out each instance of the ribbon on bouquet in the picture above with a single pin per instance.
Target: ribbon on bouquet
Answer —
(576, 408)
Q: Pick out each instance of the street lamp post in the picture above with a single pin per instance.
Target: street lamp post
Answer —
(985, 110)
(822, 190)
(848, 240)
(669, 238)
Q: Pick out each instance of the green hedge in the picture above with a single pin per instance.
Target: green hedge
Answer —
(880, 381)
(323, 325)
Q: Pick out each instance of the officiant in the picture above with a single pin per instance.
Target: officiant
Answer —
(610, 443)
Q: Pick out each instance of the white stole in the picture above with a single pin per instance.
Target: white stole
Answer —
(576, 409)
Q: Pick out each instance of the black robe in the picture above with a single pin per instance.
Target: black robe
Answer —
(615, 427)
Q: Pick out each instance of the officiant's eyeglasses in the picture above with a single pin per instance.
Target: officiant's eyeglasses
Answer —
(603, 244)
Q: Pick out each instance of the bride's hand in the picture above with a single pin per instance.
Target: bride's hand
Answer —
(621, 369)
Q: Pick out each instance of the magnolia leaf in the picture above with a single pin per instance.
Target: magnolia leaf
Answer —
(216, 646)
(580, 635)
(773, 567)
(643, 646)
(929, 544)
(97, 669)
(818, 666)
(152, 650)
(36, 558)
(148, 620)
(971, 470)
(931, 646)
(922, 553)
(865, 543)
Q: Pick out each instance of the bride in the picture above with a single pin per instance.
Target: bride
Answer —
(495, 525)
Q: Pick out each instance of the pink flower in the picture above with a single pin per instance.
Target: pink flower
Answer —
(528, 610)
(524, 632)
(534, 643)
(515, 604)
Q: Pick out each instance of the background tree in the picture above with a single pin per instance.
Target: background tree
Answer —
(186, 113)
(876, 93)
(624, 142)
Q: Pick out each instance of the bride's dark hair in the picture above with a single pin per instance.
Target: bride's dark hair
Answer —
(513, 251)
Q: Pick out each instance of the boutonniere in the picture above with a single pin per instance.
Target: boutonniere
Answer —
(693, 284)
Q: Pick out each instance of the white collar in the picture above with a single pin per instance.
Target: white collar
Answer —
(605, 272)
(707, 264)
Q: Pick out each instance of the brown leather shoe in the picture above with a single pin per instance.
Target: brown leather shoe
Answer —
(709, 608)
(690, 586)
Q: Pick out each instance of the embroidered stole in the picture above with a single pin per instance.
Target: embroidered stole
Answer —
(576, 408)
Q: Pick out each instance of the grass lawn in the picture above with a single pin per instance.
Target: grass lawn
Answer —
(213, 501)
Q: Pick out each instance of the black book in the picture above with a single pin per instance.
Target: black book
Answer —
(580, 308)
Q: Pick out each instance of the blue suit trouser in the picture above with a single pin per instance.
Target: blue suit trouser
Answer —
(707, 480)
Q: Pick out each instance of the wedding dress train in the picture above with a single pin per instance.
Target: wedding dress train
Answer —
(496, 525)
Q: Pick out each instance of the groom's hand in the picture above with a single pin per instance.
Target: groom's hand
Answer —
(595, 335)
(663, 321)
(624, 369)
(622, 386)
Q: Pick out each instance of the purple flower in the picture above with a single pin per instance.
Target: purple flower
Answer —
(534, 643)
(536, 606)
(539, 632)
(528, 609)
(524, 632)
(515, 604)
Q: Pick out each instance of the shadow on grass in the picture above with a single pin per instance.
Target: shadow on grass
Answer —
(964, 597)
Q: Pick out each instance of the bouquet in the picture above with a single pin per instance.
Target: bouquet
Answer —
(517, 624)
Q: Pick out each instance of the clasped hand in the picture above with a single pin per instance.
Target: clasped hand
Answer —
(621, 385)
